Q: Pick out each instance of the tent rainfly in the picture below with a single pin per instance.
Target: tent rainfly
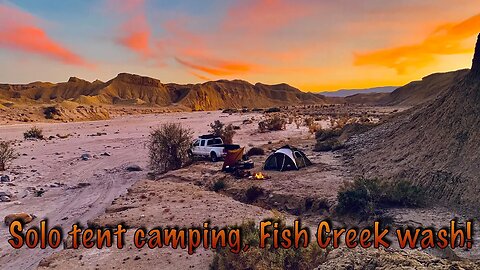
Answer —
(286, 158)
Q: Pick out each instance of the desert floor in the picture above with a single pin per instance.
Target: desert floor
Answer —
(51, 180)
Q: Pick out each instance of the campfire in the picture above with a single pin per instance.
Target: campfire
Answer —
(259, 176)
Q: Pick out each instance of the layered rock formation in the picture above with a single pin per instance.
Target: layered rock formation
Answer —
(130, 89)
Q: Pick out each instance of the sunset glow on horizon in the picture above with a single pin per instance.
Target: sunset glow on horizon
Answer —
(313, 45)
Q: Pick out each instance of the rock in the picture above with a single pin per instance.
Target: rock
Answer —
(133, 168)
(5, 193)
(4, 178)
(82, 185)
(23, 217)
(105, 154)
(39, 193)
(5, 199)
(85, 157)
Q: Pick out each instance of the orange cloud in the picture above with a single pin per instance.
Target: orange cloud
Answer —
(19, 32)
(135, 32)
(136, 35)
(447, 39)
(201, 77)
(218, 68)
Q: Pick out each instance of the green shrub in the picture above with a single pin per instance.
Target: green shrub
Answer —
(325, 134)
(268, 257)
(168, 147)
(218, 185)
(363, 196)
(33, 133)
(50, 112)
(331, 144)
(359, 197)
(403, 193)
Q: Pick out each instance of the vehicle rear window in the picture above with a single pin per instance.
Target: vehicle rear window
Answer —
(214, 141)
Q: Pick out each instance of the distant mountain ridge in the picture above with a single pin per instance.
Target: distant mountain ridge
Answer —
(131, 89)
(411, 94)
(351, 92)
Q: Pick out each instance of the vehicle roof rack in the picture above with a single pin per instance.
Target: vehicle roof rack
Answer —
(208, 136)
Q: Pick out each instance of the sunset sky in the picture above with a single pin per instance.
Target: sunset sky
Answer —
(313, 45)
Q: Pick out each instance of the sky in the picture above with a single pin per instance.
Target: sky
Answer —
(315, 45)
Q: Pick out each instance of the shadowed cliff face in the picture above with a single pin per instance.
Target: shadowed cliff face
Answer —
(436, 145)
(475, 71)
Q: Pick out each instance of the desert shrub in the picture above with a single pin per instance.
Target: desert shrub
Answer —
(253, 193)
(218, 185)
(298, 122)
(312, 126)
(50, 112)
(168, 147)
(291, 119)
(309, 121)
(267, 258)
(340, 122)
(325, 134)
(255, 151)
(359, 197)
(7, 154)
(272, 124)
(230, 110)
(403, 193)
(331, 144)
(272, 110)
(226, 132)
(363, 196)
(33, 133)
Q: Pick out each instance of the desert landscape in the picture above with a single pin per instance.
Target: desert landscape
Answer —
(151, 152)
(97, 173)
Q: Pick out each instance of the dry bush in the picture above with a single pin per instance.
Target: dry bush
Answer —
(255, 151)
(226, 132)
(50, 112)
(273, 110)
(298, 122)
(327, 140)
(272, 124)
(291, 119)
(168, 147)
(7, 154)
(309, 121)
(340, 122)
(253, 193)
(33, 133)
(312, 126)
(268, 258)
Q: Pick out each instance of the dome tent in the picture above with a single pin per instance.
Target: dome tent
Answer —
(286, 158)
